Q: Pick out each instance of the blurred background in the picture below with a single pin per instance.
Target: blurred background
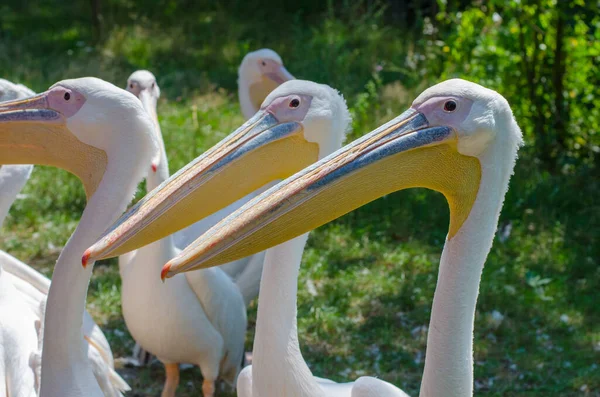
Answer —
(368, 278)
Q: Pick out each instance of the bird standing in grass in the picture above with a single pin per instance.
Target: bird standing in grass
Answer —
(201, 315)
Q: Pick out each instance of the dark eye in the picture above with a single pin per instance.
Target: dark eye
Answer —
(294, 103)
(131, 86)
(153, 85)
(263, 63)
(67, 96)
(450, 106)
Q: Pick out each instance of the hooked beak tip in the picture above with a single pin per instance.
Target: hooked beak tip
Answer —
(85, 258)
(154, 167)
(165, 271)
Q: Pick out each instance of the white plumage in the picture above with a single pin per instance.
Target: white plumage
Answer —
(198, 318)
(110, 126)
(23, 293)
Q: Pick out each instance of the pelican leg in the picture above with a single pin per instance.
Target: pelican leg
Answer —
(208, 388)
(171, 381)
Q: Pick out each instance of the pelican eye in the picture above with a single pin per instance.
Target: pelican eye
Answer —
(294, 103)
(263, 63)
(67, 96)
(131, 85)
(450, 106)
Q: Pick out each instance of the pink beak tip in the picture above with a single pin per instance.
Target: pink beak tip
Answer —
(154, 167)
(165, 271)
(85, 258)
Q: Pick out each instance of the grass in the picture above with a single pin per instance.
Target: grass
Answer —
(367, 279)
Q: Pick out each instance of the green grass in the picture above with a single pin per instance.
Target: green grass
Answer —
(367, 280)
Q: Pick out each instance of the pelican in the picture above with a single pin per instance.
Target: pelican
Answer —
(24, 292)
(202, 314)
(259, 73)
(96, 131)
(300, 117)
(458, 138)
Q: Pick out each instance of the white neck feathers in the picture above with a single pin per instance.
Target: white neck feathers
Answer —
(278, 366)
(65, 367)
(449, 359)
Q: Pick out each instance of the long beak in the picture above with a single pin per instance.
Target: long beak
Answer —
(406, 152)
(150, 107)
(33, 133)
(260, 151)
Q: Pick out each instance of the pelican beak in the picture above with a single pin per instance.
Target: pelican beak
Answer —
(280, 76)
(262, 150)
(406, 152)
(150, 106)
(33, 133)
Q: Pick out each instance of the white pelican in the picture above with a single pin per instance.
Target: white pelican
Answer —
(458, 138)
(22, 285)
(96, 131)
(259, 73)
(202, 314)
(300, 117)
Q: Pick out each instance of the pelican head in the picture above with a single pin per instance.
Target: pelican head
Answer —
(143, 85)
(10, 91)
(77, 125)
(259, 74)
(455, 135)
(298, 123)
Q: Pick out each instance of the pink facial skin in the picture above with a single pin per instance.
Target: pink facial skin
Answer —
(437, 110)
(64, 100)
(290, 108)
(60, 99)
(134, 88)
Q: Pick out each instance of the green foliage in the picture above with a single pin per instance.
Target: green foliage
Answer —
(543, 57)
